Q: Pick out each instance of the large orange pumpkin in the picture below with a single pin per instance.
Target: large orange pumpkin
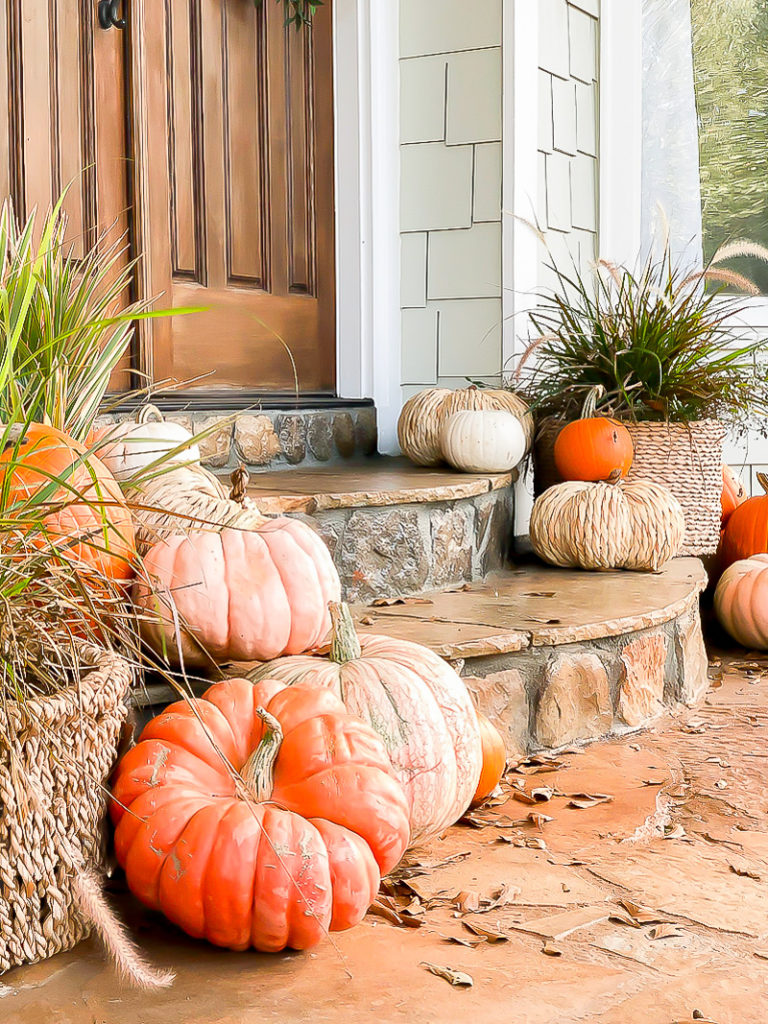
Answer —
(241, 594)
(418, 705)
(89, 521)
(494, 760)
(293, 848)
(746, 532)
(734, 494)
(593, 448)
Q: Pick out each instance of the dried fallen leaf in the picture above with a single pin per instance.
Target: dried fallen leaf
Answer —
(581, 801)
(665, 931)
(522, 797)
(550, 949)
(539, 820)
(643, 915)
(761, 954)
(489, 934)
(620, 918)
(744, 870)
(542, 794)
(537, 764)
(460, 940)
(367, 620)
(500, 897)
(653, 782)
(539, 593)
(389, 602)
(676, 832)
(721, 784)
(456, 978)
(467, 902)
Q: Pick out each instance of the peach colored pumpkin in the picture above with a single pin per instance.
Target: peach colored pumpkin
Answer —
(741, 601)
(241, 594)
(418, 705)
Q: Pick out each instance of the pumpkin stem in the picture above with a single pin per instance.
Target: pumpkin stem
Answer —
(614, 478)
(762, 479)
(345, 645)
(258, 772)
(149, 414)
(239, 478)
(594, 395)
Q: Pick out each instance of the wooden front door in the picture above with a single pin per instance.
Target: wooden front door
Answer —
(63, 119)
(233, 115)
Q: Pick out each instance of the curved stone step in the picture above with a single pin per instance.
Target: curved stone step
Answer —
(396, 529)
(556, 656)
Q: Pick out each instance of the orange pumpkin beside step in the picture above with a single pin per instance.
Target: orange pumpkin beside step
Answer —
(276, 858)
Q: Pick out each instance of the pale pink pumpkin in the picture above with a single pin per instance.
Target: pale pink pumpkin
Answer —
(741, 601)
(417, 704)
(239, 594)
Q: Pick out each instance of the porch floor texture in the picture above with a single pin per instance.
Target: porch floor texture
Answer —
(684, 835)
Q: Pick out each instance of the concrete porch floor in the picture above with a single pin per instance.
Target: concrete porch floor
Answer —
(685, 834)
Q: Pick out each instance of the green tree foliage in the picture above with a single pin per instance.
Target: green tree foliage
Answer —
(730, 49)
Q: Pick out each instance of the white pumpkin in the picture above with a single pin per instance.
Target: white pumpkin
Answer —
(483, 440)
(130, 447)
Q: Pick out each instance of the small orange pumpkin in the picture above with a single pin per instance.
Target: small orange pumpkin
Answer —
(97, 531)
(746, 532)
(594, 447)
(494, 760)
(734, 494)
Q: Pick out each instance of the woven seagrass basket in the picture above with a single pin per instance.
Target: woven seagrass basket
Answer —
(56, 755)
(686, 458)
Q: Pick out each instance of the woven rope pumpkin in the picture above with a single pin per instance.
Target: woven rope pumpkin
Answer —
(636, 526)
(183, 498)
(423, 416)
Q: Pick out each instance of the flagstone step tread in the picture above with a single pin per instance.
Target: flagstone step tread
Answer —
(537, 606)
(377, 482)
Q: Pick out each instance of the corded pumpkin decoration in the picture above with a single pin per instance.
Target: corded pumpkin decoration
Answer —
(258, 816)
(611, 525)
(89, 522)
(746, 532)
(594, 447)
(417, 704)
(423, 417)
(741, 601)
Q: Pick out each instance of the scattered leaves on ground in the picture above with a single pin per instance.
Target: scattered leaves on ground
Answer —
(459, 979)
(488, 934)
(550, 949)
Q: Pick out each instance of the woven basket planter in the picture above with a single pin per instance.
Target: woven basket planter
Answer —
(686, 458)
(53, 805)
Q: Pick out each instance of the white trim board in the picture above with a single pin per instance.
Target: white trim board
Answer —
(367, 137)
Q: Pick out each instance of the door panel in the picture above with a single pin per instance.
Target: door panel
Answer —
(62, 118)
(239, 216)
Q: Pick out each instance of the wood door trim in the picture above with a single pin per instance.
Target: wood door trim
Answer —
(136, 113)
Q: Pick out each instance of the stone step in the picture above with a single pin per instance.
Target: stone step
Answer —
(555, 656)
(396, 529)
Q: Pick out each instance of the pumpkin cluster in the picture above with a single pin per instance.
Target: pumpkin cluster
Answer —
(265, 813)
(475, 430)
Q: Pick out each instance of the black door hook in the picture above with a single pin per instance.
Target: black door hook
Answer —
(109, 14)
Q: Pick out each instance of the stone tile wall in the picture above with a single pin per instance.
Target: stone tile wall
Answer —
(267, 440)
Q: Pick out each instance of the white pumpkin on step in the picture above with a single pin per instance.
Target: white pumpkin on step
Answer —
(483, 440)
(127, 448)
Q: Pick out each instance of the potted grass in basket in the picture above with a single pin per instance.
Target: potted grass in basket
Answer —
(661, 350)
(68, 643)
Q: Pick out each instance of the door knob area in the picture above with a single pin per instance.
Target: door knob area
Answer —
(109, 14)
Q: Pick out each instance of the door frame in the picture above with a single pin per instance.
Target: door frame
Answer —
(367, 214)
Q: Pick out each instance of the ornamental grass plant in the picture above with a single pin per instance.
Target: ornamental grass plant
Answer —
(664, 342)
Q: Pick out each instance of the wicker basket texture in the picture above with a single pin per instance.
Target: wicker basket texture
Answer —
(56, 755)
